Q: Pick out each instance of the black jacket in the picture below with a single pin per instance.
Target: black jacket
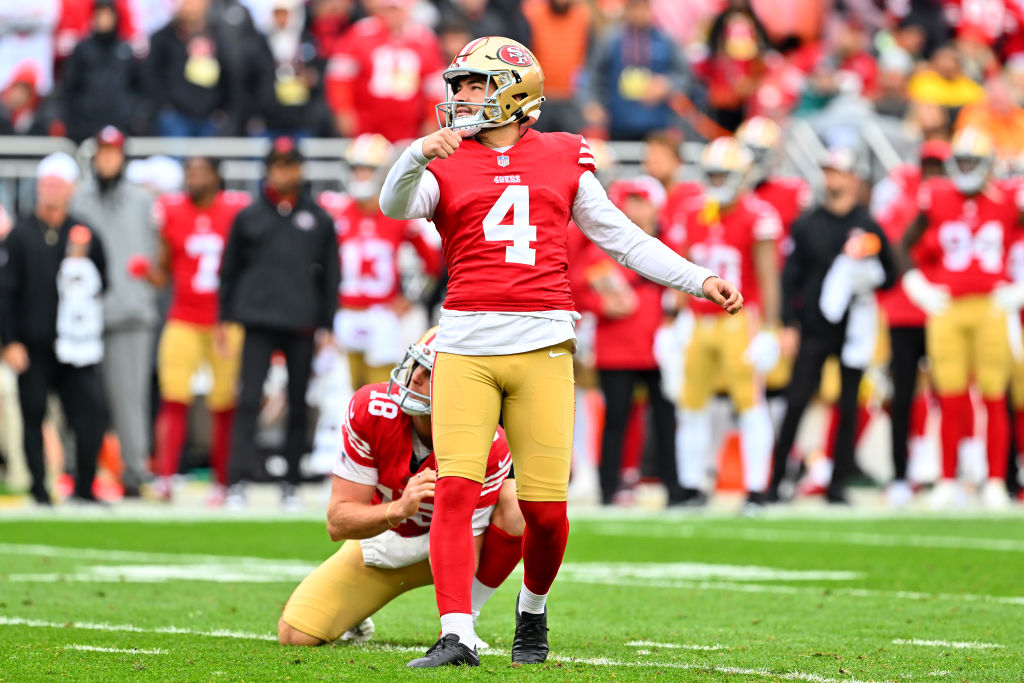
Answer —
(28, 280)
(166, 72)
(280, 267)
(818, 237)
(99, 66)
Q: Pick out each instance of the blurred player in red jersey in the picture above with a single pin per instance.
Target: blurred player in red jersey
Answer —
(383, 78)
(501, 196)
(663, 162)
(382, 502)
(629, 315)
(963, 232)
(733, 233)
(194, 227)
(894, 205)
(370, 300)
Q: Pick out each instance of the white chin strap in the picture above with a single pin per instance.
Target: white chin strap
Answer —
(467, 126)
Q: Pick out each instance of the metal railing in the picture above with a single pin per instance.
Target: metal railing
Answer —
(242, 158)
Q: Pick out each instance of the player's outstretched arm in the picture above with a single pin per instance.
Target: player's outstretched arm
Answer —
(607, 227)
(410, 191)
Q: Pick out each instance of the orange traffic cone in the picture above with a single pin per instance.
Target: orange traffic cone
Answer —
(730, 465)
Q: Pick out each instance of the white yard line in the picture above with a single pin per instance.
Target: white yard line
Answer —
(593, 661)
(131, 651)
(684, 666)
(954, 644)
(821, 592)
(137, 556)
(128, 628)
(827, 537)
(675, 646)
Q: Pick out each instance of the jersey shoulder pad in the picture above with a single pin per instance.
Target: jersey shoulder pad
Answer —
(572, 146)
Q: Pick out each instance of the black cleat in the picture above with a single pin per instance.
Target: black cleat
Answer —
(530, 645)
(448, 651)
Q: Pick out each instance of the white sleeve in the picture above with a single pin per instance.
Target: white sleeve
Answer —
(410, 190)
(348, 469)
(607, 227)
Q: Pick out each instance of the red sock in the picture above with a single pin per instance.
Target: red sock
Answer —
(499, 556)
(998, 438)
(833, 429)
(452, 553)
(918, 414)
(220, 443)
(547, 531)
(171, 428)
(955, 427)
(863, 420)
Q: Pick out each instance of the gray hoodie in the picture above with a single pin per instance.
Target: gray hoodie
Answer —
(123, 217)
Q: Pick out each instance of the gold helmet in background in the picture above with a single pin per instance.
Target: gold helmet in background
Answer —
(515, 84)
(726, 166)
(972, 159)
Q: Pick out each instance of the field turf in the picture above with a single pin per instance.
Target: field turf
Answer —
(641, 597)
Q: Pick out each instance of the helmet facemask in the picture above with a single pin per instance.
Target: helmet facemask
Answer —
(499, 107)
(410, 401)
(726, 192)
(969, 173)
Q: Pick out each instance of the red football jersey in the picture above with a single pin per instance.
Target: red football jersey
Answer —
(788, 196)
(378, 451)
(502, 217)
(965, 244)
(195, 240)
(672, 215)
(724, 243)
(625, 343)
(368, 248)
(388, 82)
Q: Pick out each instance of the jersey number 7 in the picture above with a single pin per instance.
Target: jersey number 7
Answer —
(520, 232)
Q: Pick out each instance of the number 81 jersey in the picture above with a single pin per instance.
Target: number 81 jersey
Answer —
(965, 244)
(502, 217)
(194, 238)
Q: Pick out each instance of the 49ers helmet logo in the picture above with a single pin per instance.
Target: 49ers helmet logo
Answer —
(514, 55)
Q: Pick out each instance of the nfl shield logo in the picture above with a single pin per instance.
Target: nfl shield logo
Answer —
(503, 160)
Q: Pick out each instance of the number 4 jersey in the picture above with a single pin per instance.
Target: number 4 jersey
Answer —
(194, 239)
(381, 450)
(965, 244)
(502, 216)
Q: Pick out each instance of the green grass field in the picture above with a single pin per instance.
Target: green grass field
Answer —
(639, 598)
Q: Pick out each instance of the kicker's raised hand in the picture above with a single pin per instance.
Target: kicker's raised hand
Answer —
(441, 143)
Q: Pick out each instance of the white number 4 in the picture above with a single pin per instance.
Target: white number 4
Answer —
(520, 233)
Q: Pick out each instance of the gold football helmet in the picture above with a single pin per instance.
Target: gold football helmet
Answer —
(972, 160)
(366, 160)
(515, 84)
(726, 165)
(762, 137)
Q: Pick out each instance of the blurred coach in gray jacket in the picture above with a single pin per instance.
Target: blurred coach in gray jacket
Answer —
(122, 214)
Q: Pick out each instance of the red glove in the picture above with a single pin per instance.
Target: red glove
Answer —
(138, 266)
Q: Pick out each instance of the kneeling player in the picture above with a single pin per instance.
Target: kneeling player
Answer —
(382, 501)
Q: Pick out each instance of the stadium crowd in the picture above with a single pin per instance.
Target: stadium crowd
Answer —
(914, 108)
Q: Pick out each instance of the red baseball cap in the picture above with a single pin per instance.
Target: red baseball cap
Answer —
(935, 149)
(110, 135)
(284, 148)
